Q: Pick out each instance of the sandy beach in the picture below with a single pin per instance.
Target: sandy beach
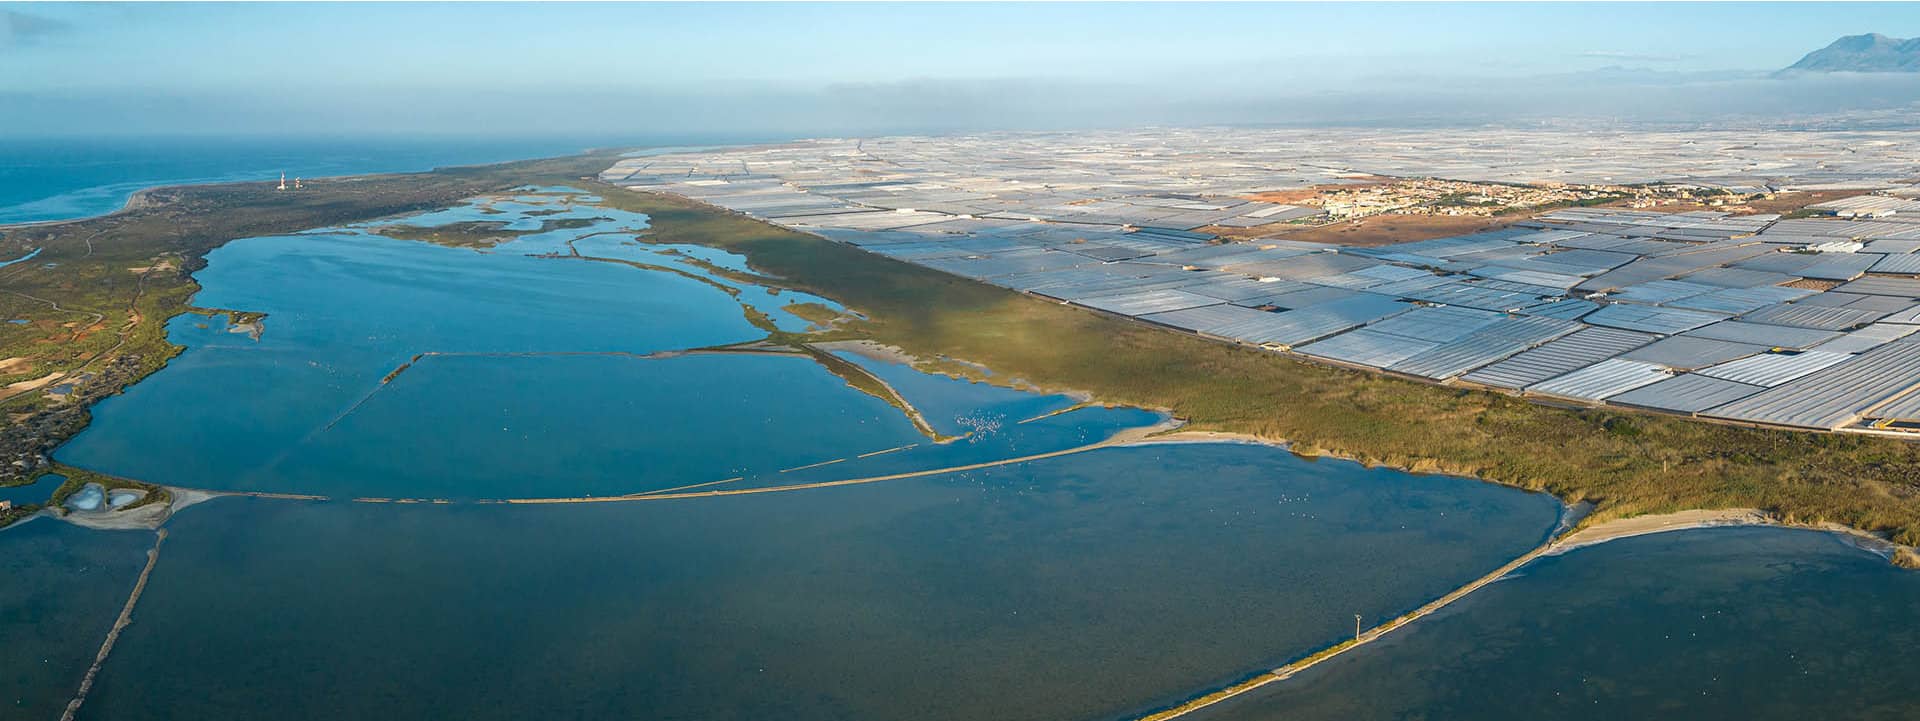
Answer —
(1660, 523)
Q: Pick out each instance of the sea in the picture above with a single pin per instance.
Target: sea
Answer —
(44, 179)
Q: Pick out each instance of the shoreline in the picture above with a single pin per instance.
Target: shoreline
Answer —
(1634, 526)
(881, 350)
(147, 187)
(135, 201)
(1562, 543)
(1578, 536)
(1561, 540)
(1907, 557)
(1639, 487)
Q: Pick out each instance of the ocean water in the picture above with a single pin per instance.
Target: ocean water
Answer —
(59, 179)
(1076, 587)
(1710, 624)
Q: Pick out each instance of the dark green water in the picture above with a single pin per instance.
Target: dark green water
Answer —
(1708, 624)
(1078, 587)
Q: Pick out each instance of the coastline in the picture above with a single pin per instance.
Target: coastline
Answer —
(183, 223)
(1561, 540)
(124, 207)
(1626, 462)
(1582, 534)
(136, 198)
(1632, 526)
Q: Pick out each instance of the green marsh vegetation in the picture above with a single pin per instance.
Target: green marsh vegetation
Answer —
(90, 312)
(478, 234)
(1626, 463)
(92, 306)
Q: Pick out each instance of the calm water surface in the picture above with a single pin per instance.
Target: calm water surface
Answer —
(1084, 586)
(1710, 624)
(38, 491)
(63, 178)
(61, 587)
(1078, 587)
(526, 375)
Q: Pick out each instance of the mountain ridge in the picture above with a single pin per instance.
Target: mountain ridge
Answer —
(1868, 53)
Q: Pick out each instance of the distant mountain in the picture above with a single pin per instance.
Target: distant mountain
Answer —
(1871, 53)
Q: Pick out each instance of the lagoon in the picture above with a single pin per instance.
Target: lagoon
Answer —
(1750, 623)
(1084, 585)
(1077, 587)
(387, 368)
(62, 588)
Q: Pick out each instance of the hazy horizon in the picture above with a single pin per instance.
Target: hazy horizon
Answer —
(804, 69)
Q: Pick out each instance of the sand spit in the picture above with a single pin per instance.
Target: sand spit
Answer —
(1687, 520)
(154, 514)
(147, 517)
(871, 350)
(848, 370)
(1659, 523)
(1583, 536)
(882, 352)
(1210, 437)
(1122, 438)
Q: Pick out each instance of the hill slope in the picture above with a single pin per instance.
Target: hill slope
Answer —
(1871, 53)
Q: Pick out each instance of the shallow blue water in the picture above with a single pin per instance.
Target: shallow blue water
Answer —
(21, 259)
(1083, 586)
(344, 311)
(1077, 587)
(56, 179)
(586, 426)
(956, 406)
(89, 498)
(399, 369)
(1707, 624)
(38, 491)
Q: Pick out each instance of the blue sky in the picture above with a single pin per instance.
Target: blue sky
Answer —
(247, 59)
